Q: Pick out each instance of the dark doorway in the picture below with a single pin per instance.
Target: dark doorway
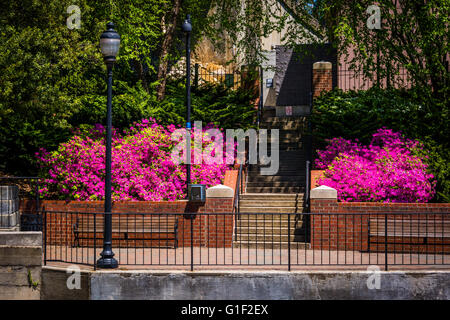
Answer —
(293, 76)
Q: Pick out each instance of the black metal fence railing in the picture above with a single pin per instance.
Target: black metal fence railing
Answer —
(254, 240)
(227, 75)
(13, 211)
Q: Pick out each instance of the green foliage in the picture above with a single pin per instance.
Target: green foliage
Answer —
(224, 107)
(45, 69)
(357, 115)
(438, 159)
(52, 79)
(413, 35)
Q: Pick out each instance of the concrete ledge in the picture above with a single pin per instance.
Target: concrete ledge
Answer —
(18, 275)
(20, 256)
(268, 285)
(323, 192)
(54, 285)
(19, 293)
(219, 191)
(21, 239)
(322, 65)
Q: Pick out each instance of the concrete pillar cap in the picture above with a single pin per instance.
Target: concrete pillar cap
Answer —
(322, 65)
(323, 192)
(219, 191)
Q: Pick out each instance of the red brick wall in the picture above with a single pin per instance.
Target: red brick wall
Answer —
(351, 232)
(209, 230)
(315, 174)
(322, 81)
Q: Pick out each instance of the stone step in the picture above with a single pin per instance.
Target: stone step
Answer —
(290, 134)
(271, 196)
(284, 137)
(266, 230)
(281, 172)
(294, 153)
(270, 245)
(294, 183)
(243, 237)
(285, 164)
(275, 189)
(258, 209)
(276, 178)
(288, 146)
(269, 216)
(267, 223)
(283, 126)
(269, 203)
(283, 119)
(291, 148)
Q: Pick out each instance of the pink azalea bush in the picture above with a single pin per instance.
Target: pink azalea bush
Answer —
(142, 168)
(388, 169)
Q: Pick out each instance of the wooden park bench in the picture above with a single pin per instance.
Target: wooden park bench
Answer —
(156, 229)
(411, 232)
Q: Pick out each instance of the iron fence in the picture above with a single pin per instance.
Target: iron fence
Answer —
(227, 75)
(348, 79)
(266, 240)
(13, 212)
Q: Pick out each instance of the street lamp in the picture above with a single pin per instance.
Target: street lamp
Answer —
(109, 45)
(187, 28)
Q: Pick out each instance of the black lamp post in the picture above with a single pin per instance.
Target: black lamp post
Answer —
(109, 45)
(187, 28)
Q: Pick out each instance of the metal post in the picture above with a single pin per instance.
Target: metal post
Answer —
(192, 243)
(37, 195)
(308, 182)
(289, 242)
(261, 96)
(95, 239)
(107, 260)
(187, 27)
(385, 244)
(45, 238)
(196, 75)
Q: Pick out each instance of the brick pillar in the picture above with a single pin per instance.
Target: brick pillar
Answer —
(336, 229)
(322, 77)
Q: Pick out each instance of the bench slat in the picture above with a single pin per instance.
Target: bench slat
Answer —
(410, 228)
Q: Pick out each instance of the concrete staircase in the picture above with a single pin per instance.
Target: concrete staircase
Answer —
(279, 193)
(290, 177)
(255, 228)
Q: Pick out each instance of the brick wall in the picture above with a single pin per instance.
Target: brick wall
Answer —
(315, 174)
(208, 230)
(348, 231)
(322, 78)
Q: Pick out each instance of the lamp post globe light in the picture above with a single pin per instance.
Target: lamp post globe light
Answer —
(109, 45)
(187, 29)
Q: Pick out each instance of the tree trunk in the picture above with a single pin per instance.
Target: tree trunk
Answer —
(165, 49)
(140, 73)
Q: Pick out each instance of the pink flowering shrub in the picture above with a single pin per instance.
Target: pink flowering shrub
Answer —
(388, 169)
(142, 168)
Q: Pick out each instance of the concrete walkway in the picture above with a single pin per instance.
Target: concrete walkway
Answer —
(240, 258)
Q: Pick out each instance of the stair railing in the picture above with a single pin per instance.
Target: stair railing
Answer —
(237, 192)
(307, 184)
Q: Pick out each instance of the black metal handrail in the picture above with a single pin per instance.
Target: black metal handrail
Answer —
(308, 186)
(237, 193)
